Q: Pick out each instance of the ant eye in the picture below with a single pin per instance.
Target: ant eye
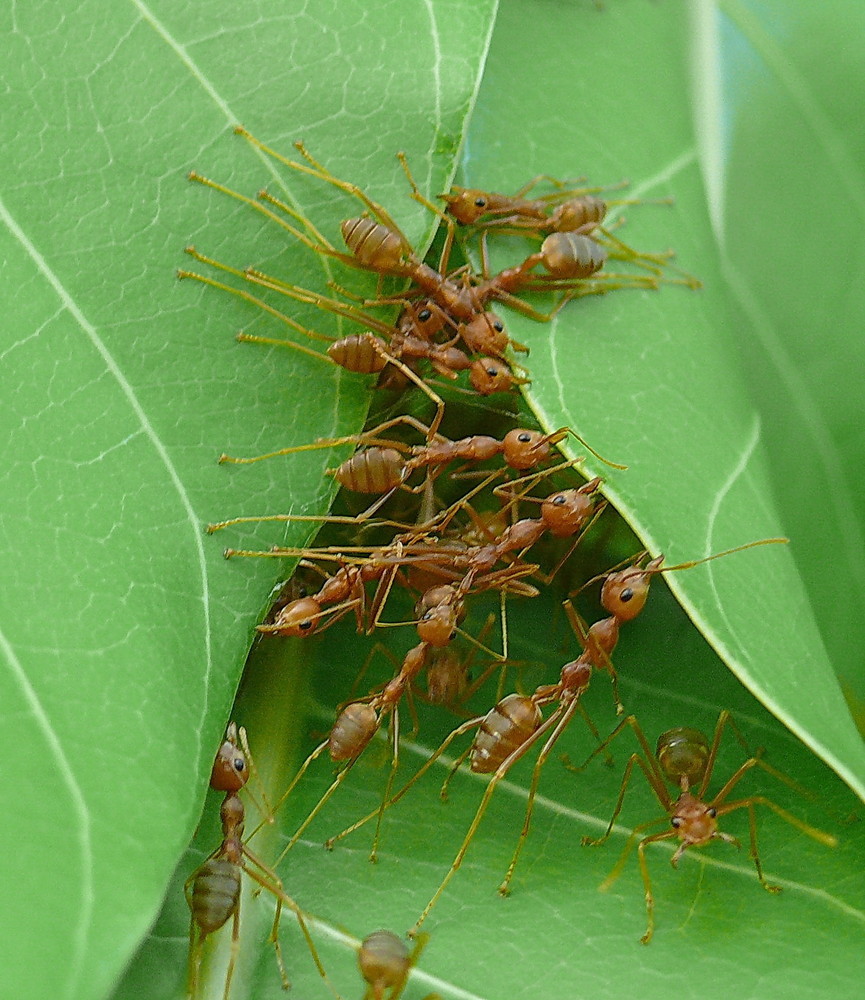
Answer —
(492, 371)
(677, 821)
(424, 315)
(480, 202)
(559, 501)
(524, 437)
(713, 813)
(498, 326)
(626, 595)
(239, 765)
(305, 626)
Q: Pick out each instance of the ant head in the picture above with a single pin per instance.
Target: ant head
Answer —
(566, 512)
(624, 593)
(296, 619)
(524, 449)
(423, 319)
(230, 769)
(485, 333)
(683, 753)
(695, 822)
(466, 205)
(489, 375)
(438, 626)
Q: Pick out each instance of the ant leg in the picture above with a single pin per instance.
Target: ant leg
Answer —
(394, 727)
(658, 788)
(463, 728)
(235, 950)
(500, 773)
(504, 888)
(647, 882)
(269, 880)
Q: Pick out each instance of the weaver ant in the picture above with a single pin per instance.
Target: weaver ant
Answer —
(624, 594)
(686, 759)
(213, 889)
(381, 247)
(400, 346)
(385, 465)
(385, 963)
(504, 735)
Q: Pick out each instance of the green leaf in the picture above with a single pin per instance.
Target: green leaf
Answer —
(124, 631)
(655, 382)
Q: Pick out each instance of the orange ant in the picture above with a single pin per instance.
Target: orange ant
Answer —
(385, 963)
(381, 247)
(382, 468)
(368, 353)
(624, 594)
(685, 758)
(504, 735)
(213, 889)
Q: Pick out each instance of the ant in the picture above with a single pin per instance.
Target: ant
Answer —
(504, 735)
(385, 963)
(686, 759)
(377, 244)
(213, 890)
(368, 353)
(385, 465)
(624, 594)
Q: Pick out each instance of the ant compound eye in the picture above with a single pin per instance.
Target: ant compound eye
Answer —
(626, 595)
(525, 437)
(498, 325)
(424, 315)
(677, 821)
(480, 203)
(239, 764)
(559, 500)
(712, 812)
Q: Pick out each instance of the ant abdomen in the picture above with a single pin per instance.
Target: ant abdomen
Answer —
(578, 214)
(445, 678)
(373, 470)
(373, 244)
(504, 729)
(683, 752)
(215, 893)
(357, 353)
(384, 960)
(572, 255)
(354, 728)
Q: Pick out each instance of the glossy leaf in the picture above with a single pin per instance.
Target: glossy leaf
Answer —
(124, 631)
(654, 379)
(556, 934)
